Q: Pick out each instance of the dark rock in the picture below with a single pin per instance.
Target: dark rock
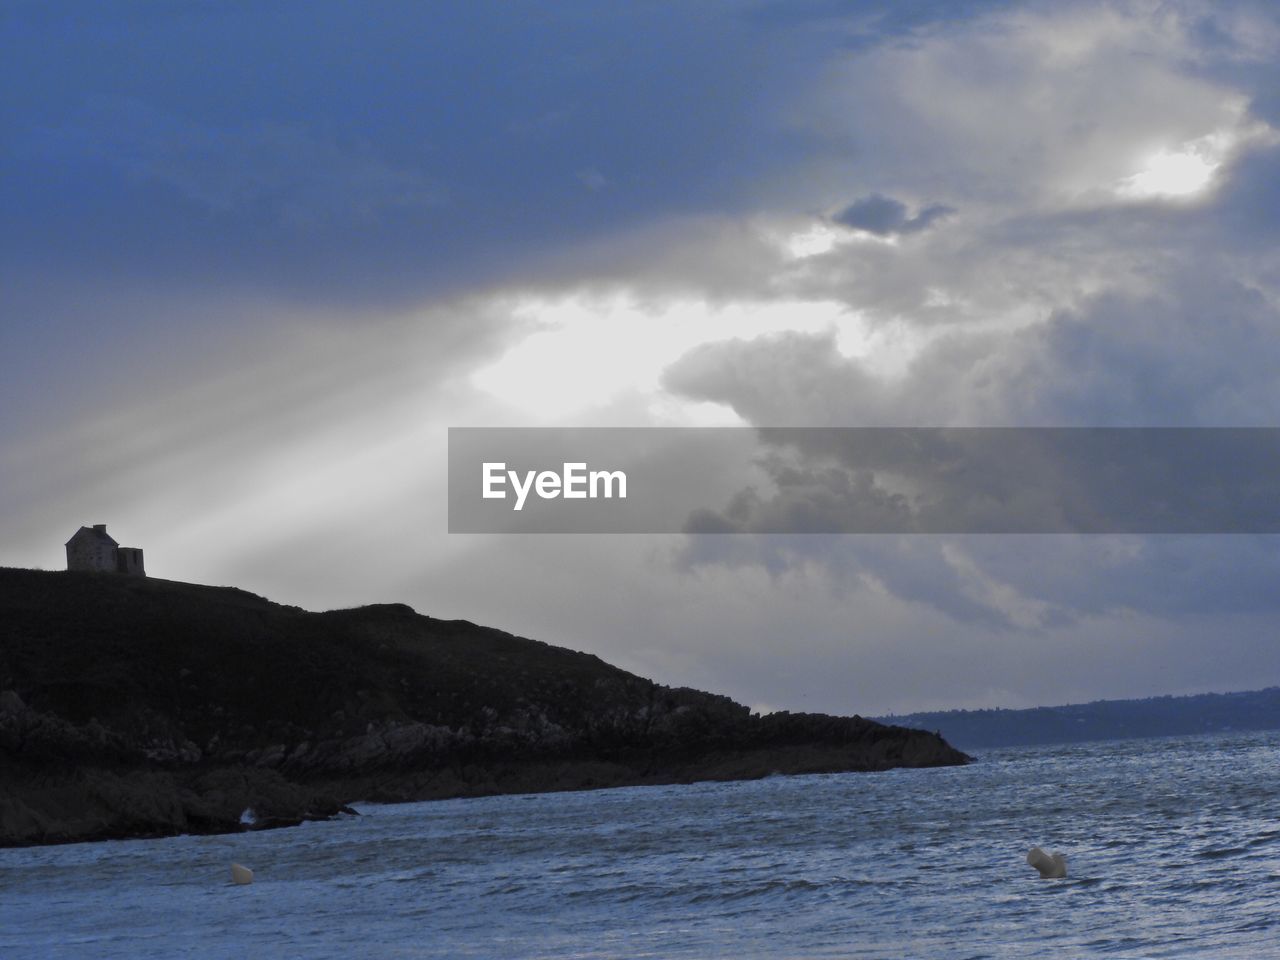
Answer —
(110, 685)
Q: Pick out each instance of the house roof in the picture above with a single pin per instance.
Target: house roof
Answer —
(90, 532)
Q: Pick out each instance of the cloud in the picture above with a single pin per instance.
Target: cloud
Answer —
(887, 217)
(1016, 105)
(1057, 300)
(1002, 480)
(1115, 359)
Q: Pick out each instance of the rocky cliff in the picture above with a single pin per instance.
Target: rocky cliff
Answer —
(132, 707)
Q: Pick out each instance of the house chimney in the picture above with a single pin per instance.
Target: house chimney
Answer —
(99, 528)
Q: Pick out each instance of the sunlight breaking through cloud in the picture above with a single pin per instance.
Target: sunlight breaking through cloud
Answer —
(584, 353)
(1191, 168)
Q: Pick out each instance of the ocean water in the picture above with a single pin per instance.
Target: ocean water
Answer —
(1173, 848)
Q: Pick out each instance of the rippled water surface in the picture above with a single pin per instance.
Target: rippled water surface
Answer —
(1173, 847)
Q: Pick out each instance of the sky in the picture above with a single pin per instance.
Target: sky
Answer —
(257, 259)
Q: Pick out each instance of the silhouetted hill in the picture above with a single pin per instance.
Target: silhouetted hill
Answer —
(132, 706)
(1103, 719)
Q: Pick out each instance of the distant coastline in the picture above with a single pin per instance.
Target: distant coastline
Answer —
(1101, 719)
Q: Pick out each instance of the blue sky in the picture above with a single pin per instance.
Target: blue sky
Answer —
(257, 258)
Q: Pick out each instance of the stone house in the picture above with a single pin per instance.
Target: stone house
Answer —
(91, 548)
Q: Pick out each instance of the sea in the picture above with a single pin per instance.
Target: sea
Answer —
(1172, 845)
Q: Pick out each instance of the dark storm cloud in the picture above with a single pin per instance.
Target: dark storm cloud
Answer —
(916, 570)
(1009, 480)
(181, 177)
(376, 153)
(1054, 581)
(280, 173)
(1198, 352)
(1250, 199)
(887, 217)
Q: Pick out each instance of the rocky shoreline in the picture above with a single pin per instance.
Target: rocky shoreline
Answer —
(139, 707)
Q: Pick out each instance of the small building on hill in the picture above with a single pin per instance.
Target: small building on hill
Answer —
(92, 548)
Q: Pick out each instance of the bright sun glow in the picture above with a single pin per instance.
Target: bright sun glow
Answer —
(1191, 168)
(820, 238)
(1171, 174)
(816, 240)
(586, 353)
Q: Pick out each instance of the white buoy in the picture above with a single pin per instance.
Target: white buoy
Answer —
(241, 874)
(1051, 867)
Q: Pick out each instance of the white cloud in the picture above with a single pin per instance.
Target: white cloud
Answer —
(1035, 108)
